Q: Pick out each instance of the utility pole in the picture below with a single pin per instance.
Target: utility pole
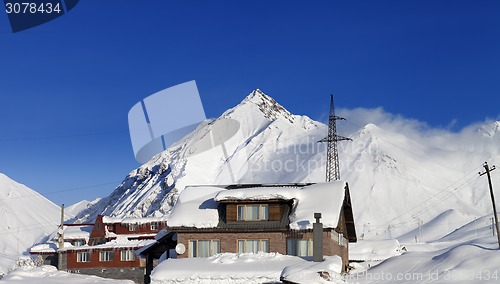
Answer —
(60, 232)
(60, 240)
(487, 172)
(332, 152)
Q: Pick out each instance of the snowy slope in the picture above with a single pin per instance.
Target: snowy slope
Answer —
(27, 217)
(468, 255)
(398, 182)
(73, 210)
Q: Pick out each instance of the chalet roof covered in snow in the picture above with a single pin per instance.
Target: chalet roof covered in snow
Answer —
(197, 206)
(143, 220)
(77, 232)
(119, 243)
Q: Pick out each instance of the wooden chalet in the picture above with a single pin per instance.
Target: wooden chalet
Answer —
(263, 218)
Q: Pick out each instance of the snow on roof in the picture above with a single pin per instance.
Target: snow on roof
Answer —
(197, 206)
(130, 236)
(258, 193)
(48, 247)
(77, 232)
(224, 268)
(119, 242)
(144, 220)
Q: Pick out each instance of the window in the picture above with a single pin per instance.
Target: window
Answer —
(111, 228)
(132, 227)
(127, 255)
(106, 256)
(341, 239)
(245, 246)
(79, 243)
(154, 226)
(203, 248)
(299, 247)
(255, 212)
(83, 257)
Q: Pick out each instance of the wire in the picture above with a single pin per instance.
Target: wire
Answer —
(61, 136)
(36, 194)
(392, 226)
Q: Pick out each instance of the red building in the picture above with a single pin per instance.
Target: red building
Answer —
(106, 249)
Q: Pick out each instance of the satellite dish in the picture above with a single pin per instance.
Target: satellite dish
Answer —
(180, 248)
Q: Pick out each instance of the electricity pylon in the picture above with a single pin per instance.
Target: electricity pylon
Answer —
(332, 152)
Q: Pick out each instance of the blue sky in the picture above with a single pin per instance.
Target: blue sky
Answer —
(66, 86)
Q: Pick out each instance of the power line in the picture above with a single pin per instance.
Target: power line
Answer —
(36, 194)
(440, 199)
(61, 136)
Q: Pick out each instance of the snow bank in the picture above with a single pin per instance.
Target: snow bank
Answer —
(224, 268)
(375, 250)
(50, 275)
(327, 271)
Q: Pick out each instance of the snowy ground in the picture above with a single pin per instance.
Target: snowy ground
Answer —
(474, 261)
(50, 275)
(468, 255)
(224, 268)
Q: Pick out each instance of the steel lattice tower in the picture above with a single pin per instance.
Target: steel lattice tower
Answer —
(332, 152)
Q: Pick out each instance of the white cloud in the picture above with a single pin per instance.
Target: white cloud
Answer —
(479, 136)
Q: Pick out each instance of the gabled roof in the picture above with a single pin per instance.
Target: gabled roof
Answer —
(197, 205)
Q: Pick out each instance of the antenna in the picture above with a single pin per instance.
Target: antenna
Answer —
(332, 152)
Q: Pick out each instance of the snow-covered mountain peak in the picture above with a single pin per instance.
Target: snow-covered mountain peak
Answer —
(369, 130)
(271, 109)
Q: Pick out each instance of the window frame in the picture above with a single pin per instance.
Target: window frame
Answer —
(79, 242)
(292, 247)
(244, 218)
(213, 251)
(341, 239)
(260, 245)
(127, 252)
(80, 258)
(108, 253)
(133, 227)
(154, 226)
